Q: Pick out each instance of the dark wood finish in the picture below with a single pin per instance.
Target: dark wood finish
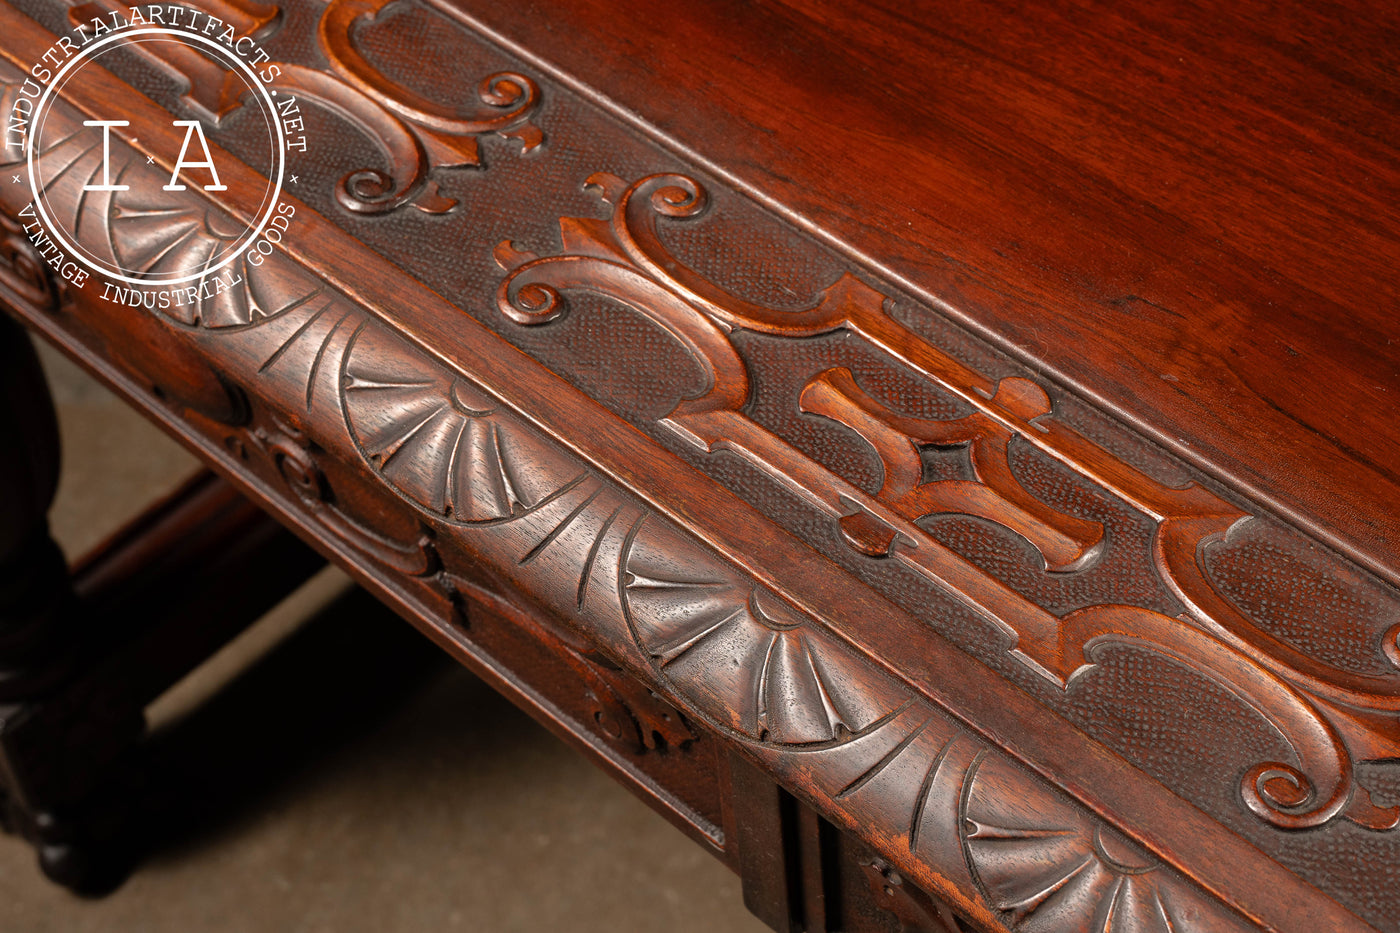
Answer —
(764, 833)
(149, 580)
(36, 600)
(1184, 212)
(34, 592)
(137, 617)
(906, 628)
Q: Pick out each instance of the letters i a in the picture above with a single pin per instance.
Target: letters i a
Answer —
(192, 129)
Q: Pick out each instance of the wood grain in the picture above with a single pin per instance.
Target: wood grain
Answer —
(1185, 212)
(978, 592)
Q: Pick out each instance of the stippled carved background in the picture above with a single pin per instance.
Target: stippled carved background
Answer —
(1158, 712)
(419, 473)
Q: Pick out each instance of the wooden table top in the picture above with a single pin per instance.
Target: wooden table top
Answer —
(979, 417)
(1187, 213)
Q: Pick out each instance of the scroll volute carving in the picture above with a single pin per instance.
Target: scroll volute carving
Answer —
(629, 712)
(415, 135)
(913, 910)
(23, 271)
(1327, 715)
(406, 547)
(508, 98)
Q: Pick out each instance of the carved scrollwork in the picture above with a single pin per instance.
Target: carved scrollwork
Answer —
(415, 135)
(627, 713)
(475, 475)
(914, 911)
(22, 270)
(1326, 714)
(1067, 542)
(510, 97)
(632, 715)
(289, 452)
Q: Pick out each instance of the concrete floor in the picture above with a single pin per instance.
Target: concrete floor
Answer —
(331, 771)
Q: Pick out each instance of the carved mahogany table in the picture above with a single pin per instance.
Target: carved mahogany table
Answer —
(943, 459)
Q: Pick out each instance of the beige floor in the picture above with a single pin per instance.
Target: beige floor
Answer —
(331, 772)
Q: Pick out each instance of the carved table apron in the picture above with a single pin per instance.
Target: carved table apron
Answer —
(852, 596)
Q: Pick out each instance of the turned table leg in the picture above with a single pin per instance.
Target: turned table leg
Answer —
(35, 595)
(39, 643)
(83, 653)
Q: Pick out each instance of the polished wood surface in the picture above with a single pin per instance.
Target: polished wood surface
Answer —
(703, 444)
(1185, 211)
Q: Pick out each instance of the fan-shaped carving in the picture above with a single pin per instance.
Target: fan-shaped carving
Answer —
(1055, 869)
(737, 650)
(435, 437)
(150, 231)
(163, 234)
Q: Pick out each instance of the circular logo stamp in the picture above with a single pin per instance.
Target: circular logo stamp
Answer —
(142, 197)
(53, 181)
